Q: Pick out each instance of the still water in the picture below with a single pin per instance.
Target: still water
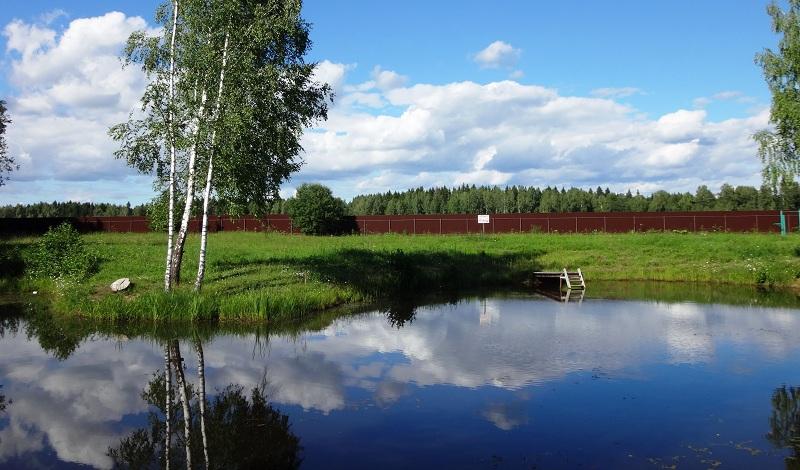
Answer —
(503, 382)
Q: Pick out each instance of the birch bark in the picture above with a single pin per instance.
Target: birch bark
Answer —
(170, 114)
(177, 254)
(201, 265)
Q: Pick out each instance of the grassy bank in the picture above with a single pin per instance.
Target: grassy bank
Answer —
(257, 276)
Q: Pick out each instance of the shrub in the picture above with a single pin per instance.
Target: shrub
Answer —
(315, 210)
(61, 253)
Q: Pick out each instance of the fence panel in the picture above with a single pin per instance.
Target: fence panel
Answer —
(455, 226)
(615, 222)
(591, 224)
(563, 224)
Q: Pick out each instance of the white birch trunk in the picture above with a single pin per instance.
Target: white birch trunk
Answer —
(201, 367)
(171, 210)
(201, 265)
(177, 255)
(167, 406)
(184, 397)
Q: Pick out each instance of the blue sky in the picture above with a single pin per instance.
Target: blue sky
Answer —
(626, 94)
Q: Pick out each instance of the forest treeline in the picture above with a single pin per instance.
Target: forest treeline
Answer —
(521, 199)
(473, 199)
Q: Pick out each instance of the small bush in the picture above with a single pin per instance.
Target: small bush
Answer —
(796, 251)
(315, 211)
(61, 253)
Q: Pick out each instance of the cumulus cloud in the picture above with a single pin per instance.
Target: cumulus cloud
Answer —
(332, 73)
(498, 54)
(70, 88)
(509, 133)
(387, 79)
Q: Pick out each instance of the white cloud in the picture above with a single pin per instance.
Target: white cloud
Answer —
(509, 133)
(622, 92)
(332, 73)
(387, 79)
(498, 54)
(71, 88)
(729, 95)
(51, 16)
(27, 38)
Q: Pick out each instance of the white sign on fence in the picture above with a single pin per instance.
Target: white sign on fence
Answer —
(483, 219)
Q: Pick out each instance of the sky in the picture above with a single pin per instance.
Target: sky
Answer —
(624, 94)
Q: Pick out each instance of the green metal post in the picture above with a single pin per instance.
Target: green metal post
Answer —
(783, 224)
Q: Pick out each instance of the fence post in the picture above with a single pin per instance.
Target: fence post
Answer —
(634, 223)
(725, 223)
(605, 225)
(440, 226)
(664, 223)
(694, 223)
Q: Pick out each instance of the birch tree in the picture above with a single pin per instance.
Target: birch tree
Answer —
(268, 99)
(779, 147)
(151, 140)
(229, 97)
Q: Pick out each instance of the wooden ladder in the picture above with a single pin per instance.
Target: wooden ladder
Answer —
(573, 279)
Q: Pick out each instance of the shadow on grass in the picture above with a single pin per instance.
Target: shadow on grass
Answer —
(387, 274)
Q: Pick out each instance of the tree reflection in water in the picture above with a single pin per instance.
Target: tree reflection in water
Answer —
(230, 430)
(785, 423)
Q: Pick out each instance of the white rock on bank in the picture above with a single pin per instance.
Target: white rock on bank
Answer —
(120, 284)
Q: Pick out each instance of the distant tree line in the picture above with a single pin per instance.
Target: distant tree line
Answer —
(522, 199)
(471, 199)
(71, 209)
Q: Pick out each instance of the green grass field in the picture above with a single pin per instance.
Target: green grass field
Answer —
(259, 276)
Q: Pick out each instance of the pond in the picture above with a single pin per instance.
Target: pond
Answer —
(506, 381)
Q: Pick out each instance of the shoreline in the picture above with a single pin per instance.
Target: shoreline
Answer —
(257, 277)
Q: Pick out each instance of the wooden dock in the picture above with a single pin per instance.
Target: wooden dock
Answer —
(572, 279)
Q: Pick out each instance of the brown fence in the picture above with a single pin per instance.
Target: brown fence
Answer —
(580, 222)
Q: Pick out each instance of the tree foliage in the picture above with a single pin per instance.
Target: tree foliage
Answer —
(315, 210)
(523, 199)
(778, 148)
(7, 164)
